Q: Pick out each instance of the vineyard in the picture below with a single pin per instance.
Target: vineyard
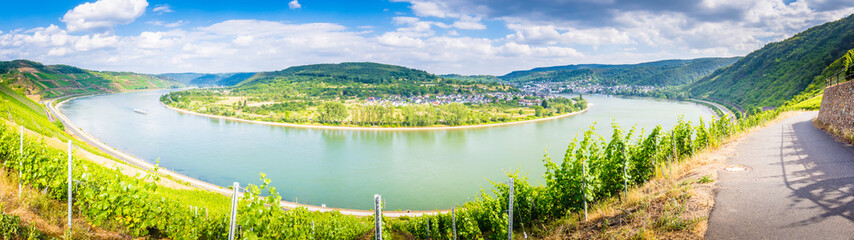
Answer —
(593, 169)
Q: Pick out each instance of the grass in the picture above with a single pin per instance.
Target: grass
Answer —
(11, 227)
(810, 104)
(19, 99)
(842, 134)
(51, 76)
(665, 208)
(49, 84)
(39, 216)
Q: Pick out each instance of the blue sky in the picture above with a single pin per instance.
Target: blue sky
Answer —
(450, 36)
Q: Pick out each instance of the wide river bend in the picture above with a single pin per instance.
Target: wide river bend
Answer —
(417, 170)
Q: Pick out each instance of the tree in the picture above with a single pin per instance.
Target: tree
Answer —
(539, 111)
(456, 114)
(332, 112)
(545, 103)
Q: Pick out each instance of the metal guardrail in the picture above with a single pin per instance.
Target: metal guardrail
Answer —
(840, 76)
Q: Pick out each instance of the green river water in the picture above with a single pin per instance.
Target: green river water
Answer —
(416, 170)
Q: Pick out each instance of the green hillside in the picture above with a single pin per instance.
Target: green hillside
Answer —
(835, 68)
(472, 78)
(350, 80)
(46, 81)
(659, 73)
(210, 79)
(780, 70)
(363, 72)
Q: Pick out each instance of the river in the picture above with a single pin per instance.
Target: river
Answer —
(412, 170)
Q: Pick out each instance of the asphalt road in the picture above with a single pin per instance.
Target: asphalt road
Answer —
(800, 186)
(721, 107)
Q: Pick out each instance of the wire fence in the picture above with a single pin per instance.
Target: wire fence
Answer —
(841, 76)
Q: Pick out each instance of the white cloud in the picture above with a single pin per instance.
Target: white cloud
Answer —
(89, 42)
(103, 15)
(258, 45)
(244, 40)
(60, 51)
(294, 5)
(551, 35)
(400, 40)
(255, 45)
(428, 9)
(162, 8)
(166, 24)
(155, 40)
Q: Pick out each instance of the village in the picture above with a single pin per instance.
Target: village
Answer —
(524, 98)
(582, 87)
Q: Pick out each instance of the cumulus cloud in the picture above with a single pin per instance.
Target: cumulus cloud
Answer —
(706, 28)
(438, 9)
(257, 45)
(294, 5)
(103, 15)
(551, 35)
(435, 36)
(468, 23)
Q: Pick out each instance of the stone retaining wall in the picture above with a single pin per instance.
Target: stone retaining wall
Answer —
(837, 106)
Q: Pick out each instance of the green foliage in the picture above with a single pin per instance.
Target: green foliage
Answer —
(780, 70)
(11, 227)
(106, 197)
(473, 78)
(261, 219)
(811, 104)
(368, 73)
(660, 73)
(332, 112)
(839, 70)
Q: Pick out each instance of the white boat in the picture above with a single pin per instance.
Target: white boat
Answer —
(140, 111)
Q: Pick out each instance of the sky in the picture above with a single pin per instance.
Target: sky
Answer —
(453, 36)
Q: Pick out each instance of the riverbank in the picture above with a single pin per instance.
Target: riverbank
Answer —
(375, 128)
(336, 167)
(86, 137)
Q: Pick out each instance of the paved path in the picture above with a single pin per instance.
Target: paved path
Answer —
(725, 110)
(800, 186)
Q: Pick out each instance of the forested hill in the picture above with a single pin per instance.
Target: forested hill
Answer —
(659, 73)
(780, 70)
(473, 78)
(43, 81)
(208, 79)
(363, 72)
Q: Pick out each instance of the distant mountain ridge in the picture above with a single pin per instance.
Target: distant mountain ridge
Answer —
(44, 81)
(364, 72)
(209, 79)
(657, 73)
(780, 70)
